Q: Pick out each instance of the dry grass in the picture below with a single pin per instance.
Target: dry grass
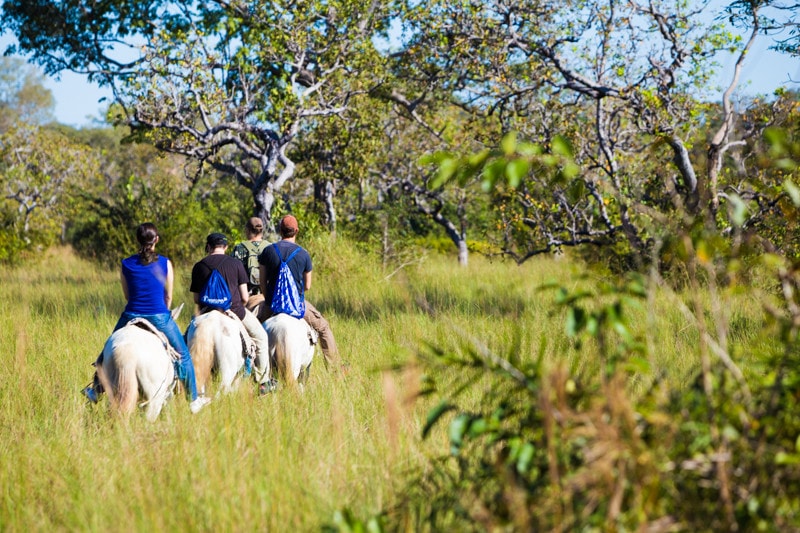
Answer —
(285, 462)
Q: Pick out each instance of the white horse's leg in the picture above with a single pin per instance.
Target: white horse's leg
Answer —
(228, 357)
(228, 346)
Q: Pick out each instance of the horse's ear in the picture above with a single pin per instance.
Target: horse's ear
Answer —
(177, 312)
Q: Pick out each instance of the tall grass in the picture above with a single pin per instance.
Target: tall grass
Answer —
(288, 461)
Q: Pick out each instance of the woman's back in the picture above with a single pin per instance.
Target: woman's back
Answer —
(145, 285)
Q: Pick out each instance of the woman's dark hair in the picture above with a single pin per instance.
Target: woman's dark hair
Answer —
(147, 235)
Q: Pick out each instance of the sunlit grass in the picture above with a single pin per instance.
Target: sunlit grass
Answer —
(288, 461)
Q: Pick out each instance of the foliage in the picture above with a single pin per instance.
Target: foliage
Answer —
(768, 186)
(228, 86)
(353, 95)
(626, 86)
(23, 96)
(106, 230)
(39, 168)
(547, 447)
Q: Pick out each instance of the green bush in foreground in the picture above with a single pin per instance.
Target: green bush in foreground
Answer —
(551, 448)
(619, 444)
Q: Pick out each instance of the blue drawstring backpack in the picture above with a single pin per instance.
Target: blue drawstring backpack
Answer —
(216, 294)
(285, 296)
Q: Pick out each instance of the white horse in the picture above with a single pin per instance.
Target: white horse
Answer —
(215, 343)
(136, 361)
(290, 347)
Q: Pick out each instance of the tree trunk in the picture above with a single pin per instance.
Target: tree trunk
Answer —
(264, 201)
(458, 237)
(324, 192)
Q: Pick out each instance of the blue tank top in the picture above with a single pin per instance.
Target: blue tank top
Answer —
(145, 285)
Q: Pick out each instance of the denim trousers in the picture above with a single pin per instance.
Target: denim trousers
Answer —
(165, 324)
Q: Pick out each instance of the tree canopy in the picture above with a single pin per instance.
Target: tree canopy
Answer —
(247, 91)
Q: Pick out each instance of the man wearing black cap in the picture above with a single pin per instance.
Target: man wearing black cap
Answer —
(233, 272)
(248, 251)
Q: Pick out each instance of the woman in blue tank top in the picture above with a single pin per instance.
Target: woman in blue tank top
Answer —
(147, 280)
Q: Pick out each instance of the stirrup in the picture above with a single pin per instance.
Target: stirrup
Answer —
(90, 393)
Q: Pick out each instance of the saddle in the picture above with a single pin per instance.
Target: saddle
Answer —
(146, 325)
(256, 305)
(248, 346)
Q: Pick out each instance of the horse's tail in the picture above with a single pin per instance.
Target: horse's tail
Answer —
(283, 353)
(201, 347)
(127, 387)
(104, 379)
(120, 382)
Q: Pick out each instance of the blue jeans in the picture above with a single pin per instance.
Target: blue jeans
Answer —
(165, 324)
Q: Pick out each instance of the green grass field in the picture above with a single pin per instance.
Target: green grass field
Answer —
(288, 461)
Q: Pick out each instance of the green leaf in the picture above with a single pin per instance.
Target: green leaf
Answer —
(730, 433)
(576, 318)
(622, 330)
(738, 210)
(783, 458)
(793, 192)
(374, 526)
(478, 427)
(509, 143)
(458, 427)
(447, 168)
(434, 415)
(561, 146)
(516, 170)
(529, 149)
(775, 136)
(428, 159)
(570, 170)
(492, 173)
(592, 325)
(525, 458)
(477, 159)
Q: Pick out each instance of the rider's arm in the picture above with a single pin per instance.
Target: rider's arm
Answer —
(124, 283)
(306, 280)
(263, 278)
(168, 285)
